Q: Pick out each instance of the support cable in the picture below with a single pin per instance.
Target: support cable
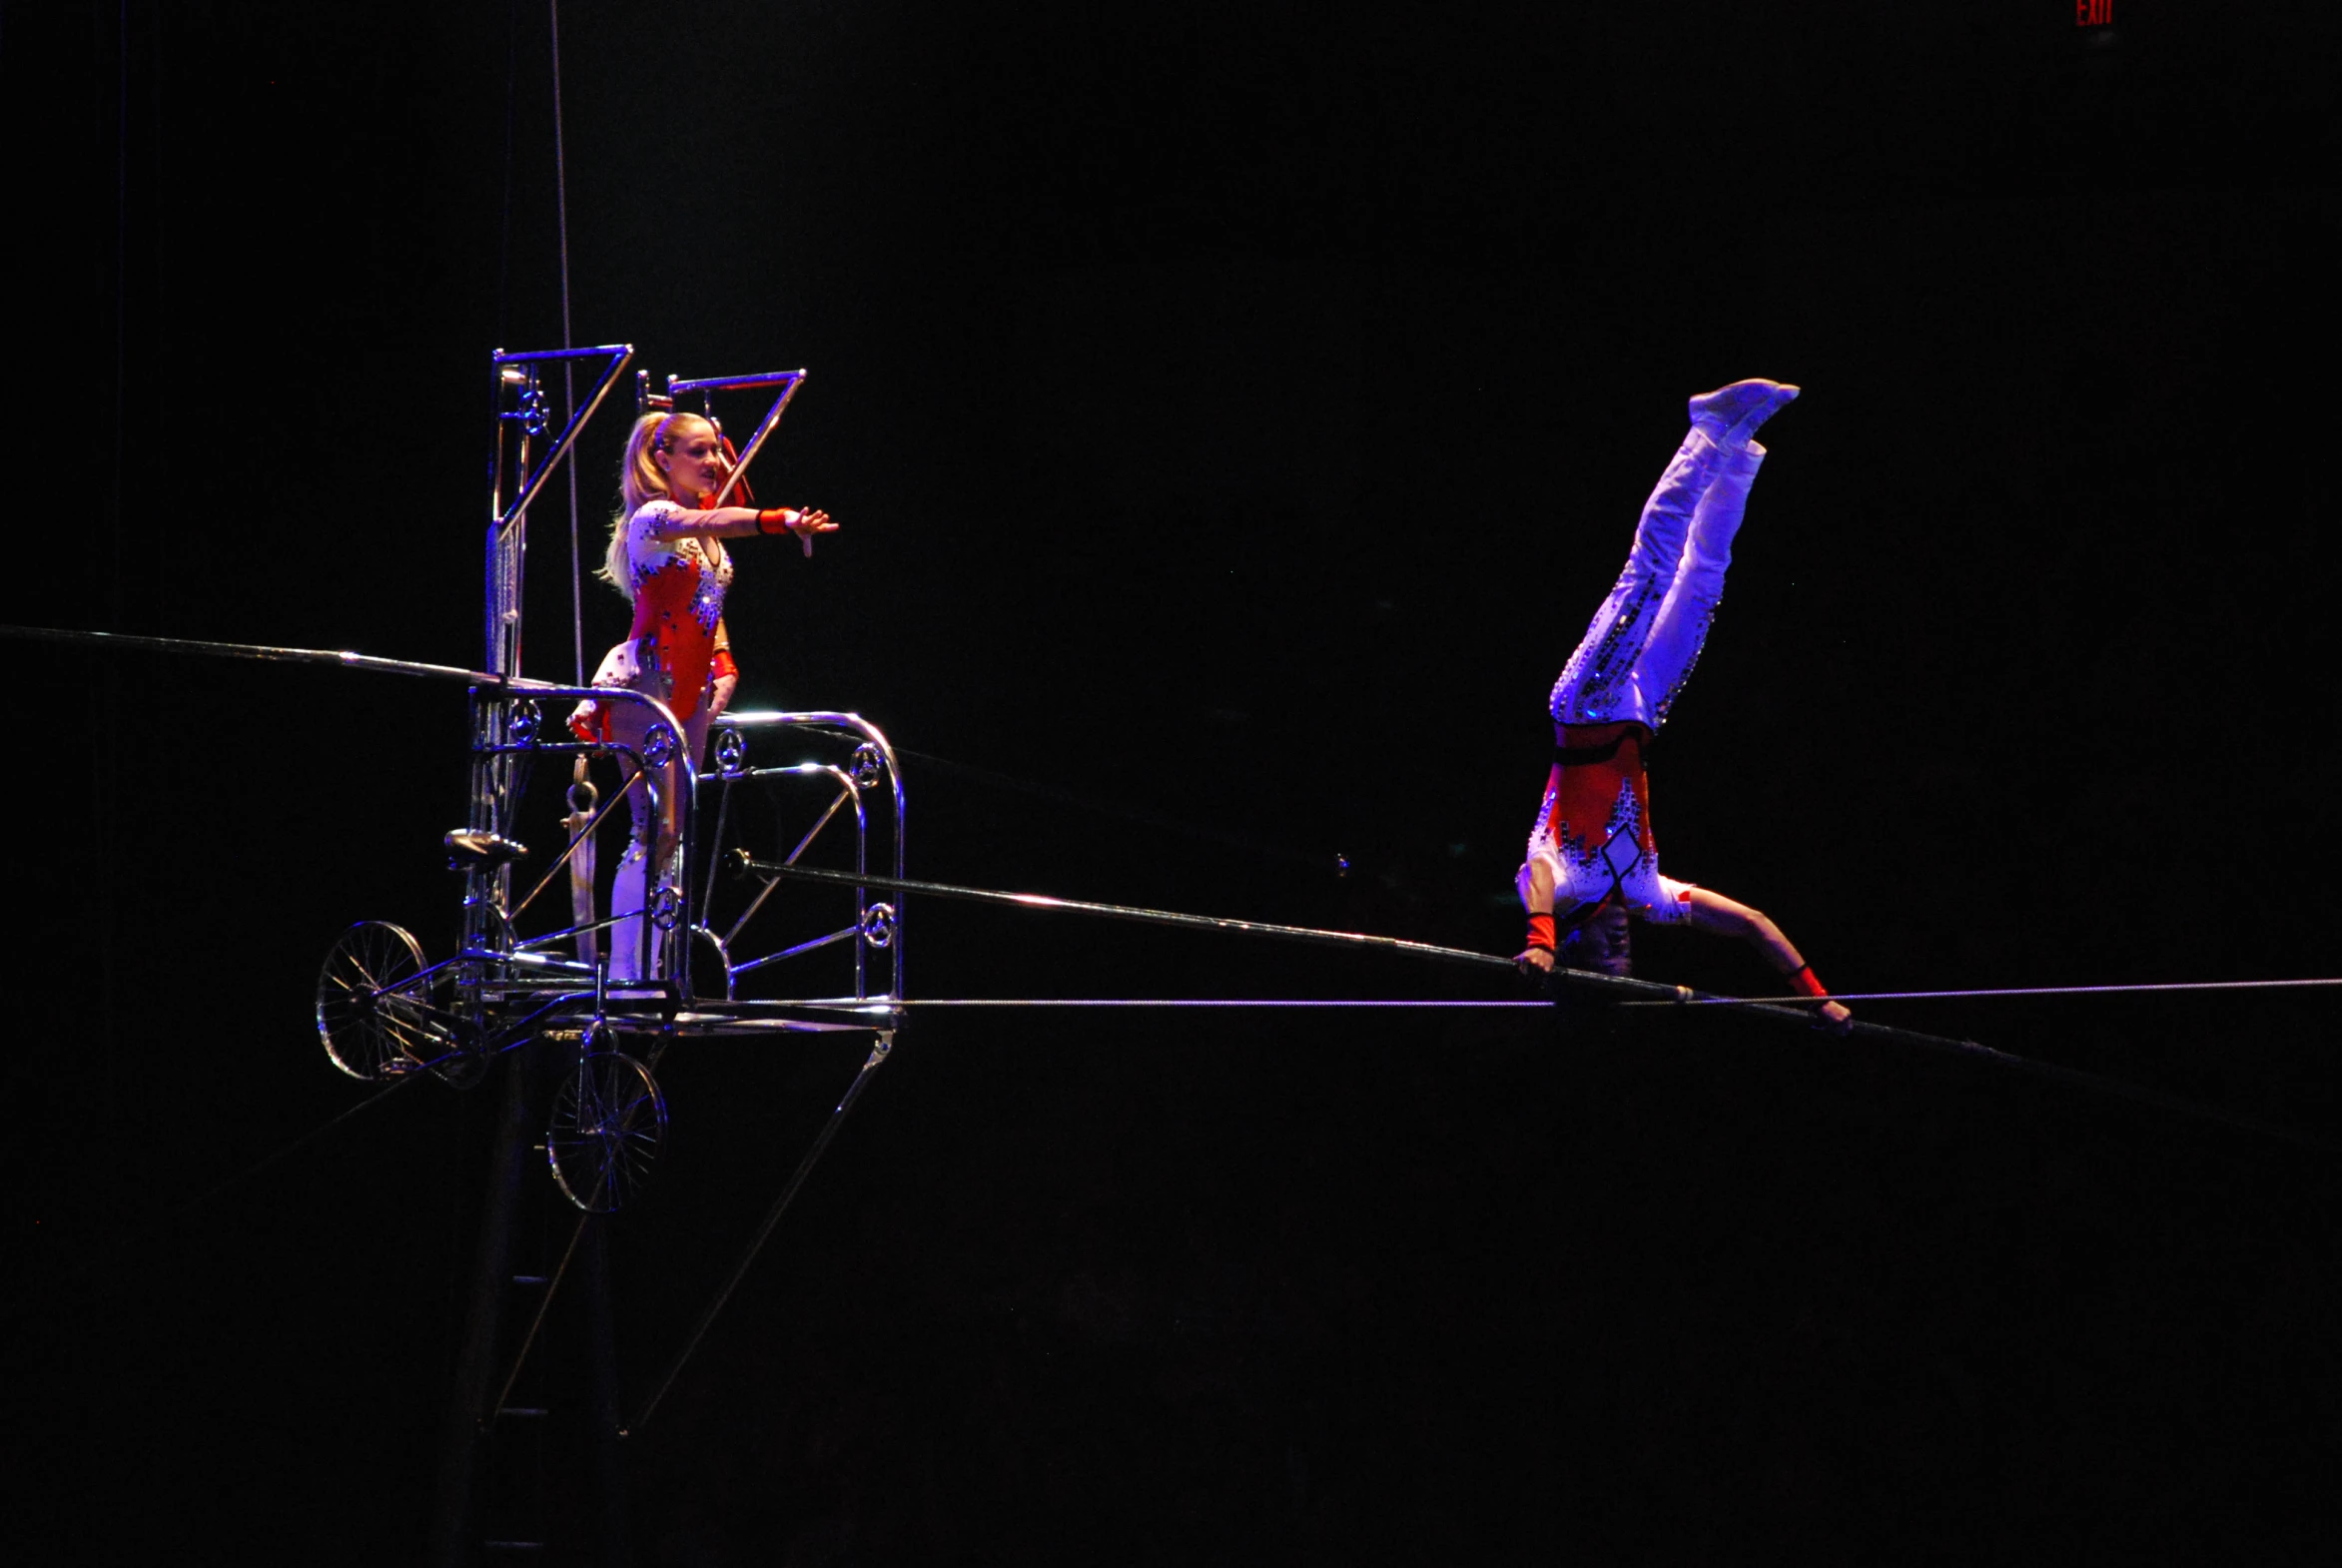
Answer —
(171, 1220)
(1581, 979)
(299, 1143)
(879, 1049)
(1626, 991)
(544, 1306)
(1199, 1002)
(2021, 990)
(747, 866)
(268, 654)
(504, 221)
(1610, 986)
(568, 341)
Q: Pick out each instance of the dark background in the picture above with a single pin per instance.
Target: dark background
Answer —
(1233, 412)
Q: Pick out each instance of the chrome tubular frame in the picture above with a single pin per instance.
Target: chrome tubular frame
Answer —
(497, 965)
(521, 404)
(872, 748)
(518, 382)
(512, 722)
(505, 741)
(707, 387)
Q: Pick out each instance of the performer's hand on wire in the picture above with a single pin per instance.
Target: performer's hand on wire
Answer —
(1835, 1017)
(1535, 958)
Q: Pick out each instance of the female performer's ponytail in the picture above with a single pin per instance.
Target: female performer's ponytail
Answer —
(639, 483)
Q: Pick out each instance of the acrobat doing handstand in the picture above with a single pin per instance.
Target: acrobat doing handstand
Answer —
(1592, 861)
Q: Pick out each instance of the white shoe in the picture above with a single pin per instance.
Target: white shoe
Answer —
(1732, 413)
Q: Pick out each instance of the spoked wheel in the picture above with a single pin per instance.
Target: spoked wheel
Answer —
(372, 1024)
(610, 1123)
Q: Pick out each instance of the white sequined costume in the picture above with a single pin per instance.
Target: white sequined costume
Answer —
(1593, 830)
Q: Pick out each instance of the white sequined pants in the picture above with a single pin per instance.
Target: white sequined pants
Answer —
(1644, 640)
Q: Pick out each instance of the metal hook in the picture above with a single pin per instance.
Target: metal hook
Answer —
(580, 784)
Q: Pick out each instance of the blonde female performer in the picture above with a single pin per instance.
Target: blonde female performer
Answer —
(667, 556)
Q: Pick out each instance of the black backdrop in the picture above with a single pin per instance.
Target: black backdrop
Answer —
(1232, 413)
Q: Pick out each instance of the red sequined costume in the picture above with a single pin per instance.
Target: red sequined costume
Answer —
(675, 646)
(672, 652)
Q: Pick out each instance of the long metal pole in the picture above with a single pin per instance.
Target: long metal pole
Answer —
(1150, 917)
(266, 653)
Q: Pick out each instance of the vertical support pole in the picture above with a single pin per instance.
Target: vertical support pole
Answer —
(480, 884)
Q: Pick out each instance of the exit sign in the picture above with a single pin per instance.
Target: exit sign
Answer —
(2094, 13)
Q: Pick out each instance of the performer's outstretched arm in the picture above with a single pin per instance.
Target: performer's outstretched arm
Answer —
(1713, 911)
(733, 522)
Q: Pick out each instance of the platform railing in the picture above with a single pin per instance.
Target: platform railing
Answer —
(874, 762)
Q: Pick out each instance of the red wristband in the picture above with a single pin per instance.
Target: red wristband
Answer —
(722, 665)
(1541, 931)
(1806, 981)
(773, 520)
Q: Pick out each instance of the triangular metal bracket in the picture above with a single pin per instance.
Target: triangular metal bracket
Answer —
(786, 381)
(521, 370)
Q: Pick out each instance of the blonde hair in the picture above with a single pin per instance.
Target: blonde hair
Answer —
(639, 483)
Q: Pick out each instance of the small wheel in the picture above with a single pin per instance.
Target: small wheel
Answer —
(373, 1026)
(610, 1123)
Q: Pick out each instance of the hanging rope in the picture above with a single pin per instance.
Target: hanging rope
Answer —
(504, 220)
(568, 341)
